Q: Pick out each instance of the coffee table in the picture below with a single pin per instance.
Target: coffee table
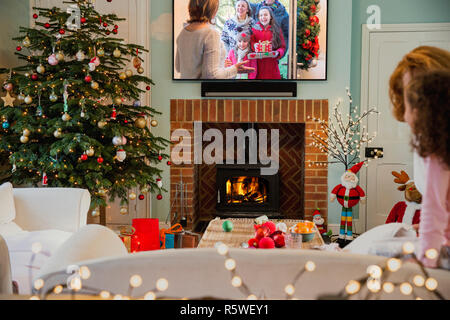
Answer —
(243, 231)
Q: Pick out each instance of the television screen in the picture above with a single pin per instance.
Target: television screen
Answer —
(249, 39)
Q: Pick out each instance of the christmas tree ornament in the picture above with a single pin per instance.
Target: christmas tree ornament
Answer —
(34, 77)
(28, 99)
(80, 55)
(132, 196)
(102, 191)
(62, 31)
(26, 42)
(26, 132)
(95, 213)
(307, 32)
(88, 78)
(40, 69)
(118, 101)
(117, 53)
(123, 210)
(140, 123)
(90, 152)
(59, 56)
(84, 157)
(66, 117)
(144, 190)
(100, 160)
(121, 155)
(19, 48)
(94, 63)
(24, 139)
(52, 60)
(44, 179)
(114, 114)
(57, 133)
(137, 62)
(5, 125)
(227, 226)
(136, 103)
(348, 194)
(47, 25)
(8, 86)
(53, 97)
(169, 163)
(159, 183)
(8, 100)
(147, 88)
(154, 123)
(94, 85)
(101, 124)
(101, 52)
(128, 73)
(115, 31)
(117, 141)
(140, 70)
(159, 197)
(83, 20)
(35, 16)
(122, 76)
(141, 197)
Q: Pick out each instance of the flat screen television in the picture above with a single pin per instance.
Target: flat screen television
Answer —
(287, 42)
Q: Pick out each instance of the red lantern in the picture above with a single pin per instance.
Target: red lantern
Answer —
(146, 236)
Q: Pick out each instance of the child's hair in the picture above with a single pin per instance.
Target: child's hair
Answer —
(421, 59)
(276, 30)
(429, 96)
(243, 34)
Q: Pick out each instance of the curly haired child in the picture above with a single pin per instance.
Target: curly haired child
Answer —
(427, 112)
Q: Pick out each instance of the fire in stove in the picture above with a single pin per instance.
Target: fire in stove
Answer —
(245, 189)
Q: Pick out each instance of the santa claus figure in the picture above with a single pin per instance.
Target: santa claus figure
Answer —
(348, 194)
(319, 221)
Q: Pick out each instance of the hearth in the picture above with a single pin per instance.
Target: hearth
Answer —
(243, 192)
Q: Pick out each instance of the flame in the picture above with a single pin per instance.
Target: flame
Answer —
(246, 190)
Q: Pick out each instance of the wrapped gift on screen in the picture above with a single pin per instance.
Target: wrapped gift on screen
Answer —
(263, 49)
(263, 46)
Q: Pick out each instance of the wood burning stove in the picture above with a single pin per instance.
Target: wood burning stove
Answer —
(243, 192)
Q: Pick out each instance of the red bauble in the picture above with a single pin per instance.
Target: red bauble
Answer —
(88, 78)
(316, 19)
(47, 25)
(83, 20)
(253, 243)
(159, 197)
(100, 160)
(309, 57)
(262, 232)
(116, 27)
(148, 88)
(84, 157)
(266, 243)
(62, 31)
(34, 76)
(307, 32)
(160, 157)
(278, 239)
(105, 24)
(109, 0)
(19, 48)
(114, 31)
(35, 16)
(272, 227)
(108, 33)
(313, 24)
(141, 197)
(313, 8)
(169, 163)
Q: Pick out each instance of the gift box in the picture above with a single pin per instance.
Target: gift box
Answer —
(146, 235)
(167, 236)
(125, 234)
(263, 46)
(187, 239)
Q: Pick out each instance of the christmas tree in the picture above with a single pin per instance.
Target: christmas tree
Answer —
(308, 29)
(71, 116)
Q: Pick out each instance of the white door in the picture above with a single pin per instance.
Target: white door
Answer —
(382, 50)
(135, 29)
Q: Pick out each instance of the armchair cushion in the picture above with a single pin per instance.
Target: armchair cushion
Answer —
(7, 209)
(8, 229)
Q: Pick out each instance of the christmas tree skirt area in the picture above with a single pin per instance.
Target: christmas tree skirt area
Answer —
(242, 231)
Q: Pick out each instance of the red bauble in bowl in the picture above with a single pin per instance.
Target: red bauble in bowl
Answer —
(279, 241)
(272, 227)
(266, 243)
(253, 243)
(262, 232)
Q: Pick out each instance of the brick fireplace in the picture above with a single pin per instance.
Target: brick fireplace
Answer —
(302, 188)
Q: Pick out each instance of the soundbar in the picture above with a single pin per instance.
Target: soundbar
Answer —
(249, 89)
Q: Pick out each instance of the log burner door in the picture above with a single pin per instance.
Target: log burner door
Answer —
(242, 190)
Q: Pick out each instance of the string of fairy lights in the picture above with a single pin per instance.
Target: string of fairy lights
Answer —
(376, 281)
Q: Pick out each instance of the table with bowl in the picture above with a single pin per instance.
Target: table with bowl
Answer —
(243, 230)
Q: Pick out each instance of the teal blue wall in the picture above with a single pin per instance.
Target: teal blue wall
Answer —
(339, 55)
(392, 12)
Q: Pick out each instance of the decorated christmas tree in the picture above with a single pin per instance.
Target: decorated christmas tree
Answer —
(308, 29)
(71, 116)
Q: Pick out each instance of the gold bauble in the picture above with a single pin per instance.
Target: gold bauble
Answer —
(140, 70)
(154, 123)
(28, 100)
(101, 124)
(95, 213)
(117, 53)
(123, 210)
(90, 152)
(101, 52)
(102, 191)
(40, 69)
(24, 139)
(140, 122)
(144, 190)
(26, 132)
(128, 73)
(122, 76)
(66, 117)
(57, 133)
(59, 56)
(26, 42)
(118, 100)
(132, 196)
(94, 85)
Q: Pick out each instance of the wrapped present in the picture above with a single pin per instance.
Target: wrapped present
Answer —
(187, 239)
(262, 55)
(263, 46)
(146, 235)
(125, 235)
(167, 236)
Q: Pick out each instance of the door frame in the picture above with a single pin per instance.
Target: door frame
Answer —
(364, 89)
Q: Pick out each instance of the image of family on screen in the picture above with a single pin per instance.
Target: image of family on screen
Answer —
(251, 42)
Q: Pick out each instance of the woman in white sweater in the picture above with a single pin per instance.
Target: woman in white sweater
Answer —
(200, 52)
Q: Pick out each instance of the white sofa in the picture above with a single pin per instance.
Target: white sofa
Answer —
(48, 216)
(201, 273)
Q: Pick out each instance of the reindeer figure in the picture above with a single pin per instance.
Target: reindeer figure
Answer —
(407, 211)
